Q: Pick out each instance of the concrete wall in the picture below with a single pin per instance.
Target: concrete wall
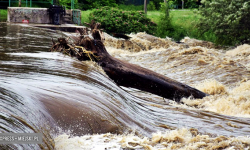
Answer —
(34, 15)
(37, 15)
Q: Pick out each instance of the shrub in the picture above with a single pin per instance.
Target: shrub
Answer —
(119, 21)
(3, 15)
(227, 19)
(166, 28)
(163, 5)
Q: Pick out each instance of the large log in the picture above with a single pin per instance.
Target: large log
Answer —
(129, 75)
(123, 73)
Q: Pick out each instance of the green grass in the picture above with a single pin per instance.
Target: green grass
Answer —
(187, 20)
(184, 18)
(154, 15)
(181, 18)
(85, 16)
(183, 22)
(3, 15)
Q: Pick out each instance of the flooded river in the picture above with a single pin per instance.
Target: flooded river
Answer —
(76, 106)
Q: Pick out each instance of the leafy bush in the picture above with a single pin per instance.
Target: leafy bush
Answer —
(3, 15)
(163, 5)
(119, 21)
(227, 19)
(164, 27)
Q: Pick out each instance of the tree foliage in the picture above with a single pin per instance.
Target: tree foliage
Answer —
(187, 3)
(165, 27)
(90, 4)
(157, 3)
(67, 3)
(229, 20)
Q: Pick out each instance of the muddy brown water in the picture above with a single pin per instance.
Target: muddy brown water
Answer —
(54, 94)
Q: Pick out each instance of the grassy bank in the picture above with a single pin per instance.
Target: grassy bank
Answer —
(184, 18)
(183, 22)
(3, 15)
(85, 15)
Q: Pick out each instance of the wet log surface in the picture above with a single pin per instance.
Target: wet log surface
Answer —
(89, 46)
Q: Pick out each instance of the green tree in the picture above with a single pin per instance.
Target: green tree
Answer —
(187, 3)
(165, 27)
(227, 19)
(90, 4)
(157, 3)
(67, 3)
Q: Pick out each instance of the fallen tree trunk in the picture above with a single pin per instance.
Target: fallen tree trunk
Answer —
(129, 75)
(123, 73)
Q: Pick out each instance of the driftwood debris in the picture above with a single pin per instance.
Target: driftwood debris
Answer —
(89, 46)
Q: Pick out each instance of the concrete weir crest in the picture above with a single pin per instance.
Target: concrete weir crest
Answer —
(40, 15)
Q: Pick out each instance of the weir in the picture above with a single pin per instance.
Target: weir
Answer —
(41, 16)
(43, 92)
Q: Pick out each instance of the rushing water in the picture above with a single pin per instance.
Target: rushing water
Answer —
(76, 106)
